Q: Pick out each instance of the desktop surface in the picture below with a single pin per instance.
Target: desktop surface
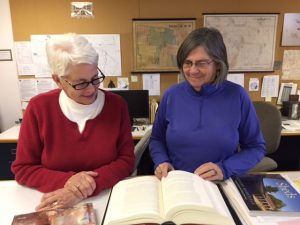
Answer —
(17, 199)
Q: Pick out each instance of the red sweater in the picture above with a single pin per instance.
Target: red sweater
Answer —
(51, 149)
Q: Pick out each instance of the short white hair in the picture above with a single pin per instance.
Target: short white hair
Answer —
(69, 49)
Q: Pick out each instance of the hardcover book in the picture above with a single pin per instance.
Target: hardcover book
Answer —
(181, 198)
(78, 215)
(267, 194)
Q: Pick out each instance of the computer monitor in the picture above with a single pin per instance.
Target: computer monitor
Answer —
(137, 101)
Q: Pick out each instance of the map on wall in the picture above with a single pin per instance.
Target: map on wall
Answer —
(156, 43)
(291, 65)
(106, 45)
(249, 39)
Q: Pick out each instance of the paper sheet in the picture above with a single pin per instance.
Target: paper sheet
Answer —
(151, 82)
(270, 86)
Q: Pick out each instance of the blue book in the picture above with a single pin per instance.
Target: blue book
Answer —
(268, 194)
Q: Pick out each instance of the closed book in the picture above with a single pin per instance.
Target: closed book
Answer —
(78, 215)
(268, 194)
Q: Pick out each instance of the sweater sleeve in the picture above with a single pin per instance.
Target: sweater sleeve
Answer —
(251, 142)
(27, 167)
(158, 146)
(122, 166)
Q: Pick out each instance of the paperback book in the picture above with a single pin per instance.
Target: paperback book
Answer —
(78, 215)
(268, 194)
(181, 198)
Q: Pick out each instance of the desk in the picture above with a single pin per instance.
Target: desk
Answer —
(17, 199)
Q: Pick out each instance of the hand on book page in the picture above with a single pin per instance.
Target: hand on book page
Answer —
(181, 197)
(78, 215)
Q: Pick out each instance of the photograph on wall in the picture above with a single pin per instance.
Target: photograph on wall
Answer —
(156, 42)
(249, 38)
(82, 10)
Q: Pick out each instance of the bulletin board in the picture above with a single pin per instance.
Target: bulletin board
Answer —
(33, 17)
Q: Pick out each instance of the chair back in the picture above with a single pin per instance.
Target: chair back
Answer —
(270, 122)
(139, 149)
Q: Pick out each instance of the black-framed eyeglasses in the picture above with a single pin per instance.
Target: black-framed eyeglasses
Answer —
(85, 84)
(201, 64)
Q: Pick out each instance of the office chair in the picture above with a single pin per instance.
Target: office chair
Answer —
(270, 122)
(139, 149)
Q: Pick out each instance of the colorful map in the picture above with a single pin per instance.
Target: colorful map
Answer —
(156, 43)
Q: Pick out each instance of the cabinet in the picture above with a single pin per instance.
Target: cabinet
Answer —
(7, 156)
(8, 148)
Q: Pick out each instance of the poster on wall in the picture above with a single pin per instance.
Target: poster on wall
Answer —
(156, 41)
(249, 39)
(291, 30)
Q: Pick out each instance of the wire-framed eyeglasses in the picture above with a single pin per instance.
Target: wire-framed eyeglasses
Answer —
(201, 64)
(95, 81)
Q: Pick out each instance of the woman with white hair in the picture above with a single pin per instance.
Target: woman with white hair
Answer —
(75, 141)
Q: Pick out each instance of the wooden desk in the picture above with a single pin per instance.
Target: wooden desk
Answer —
(17, 199)
(290, 133)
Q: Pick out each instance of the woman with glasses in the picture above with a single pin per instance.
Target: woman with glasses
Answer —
(75, 141)
(206, 124)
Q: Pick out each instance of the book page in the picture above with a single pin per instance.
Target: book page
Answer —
(133, 199)
(181, 188)
(187, 198)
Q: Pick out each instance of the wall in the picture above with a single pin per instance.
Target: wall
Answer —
(115, 16)
(10, 105)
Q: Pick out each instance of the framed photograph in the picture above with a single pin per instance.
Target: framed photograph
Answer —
(156, 41)
(5, 55)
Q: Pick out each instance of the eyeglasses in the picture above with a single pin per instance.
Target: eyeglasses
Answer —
(83, 85)
(200, 65)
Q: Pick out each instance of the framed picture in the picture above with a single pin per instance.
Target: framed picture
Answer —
(249, 38)
(5, 55)
(156, 41)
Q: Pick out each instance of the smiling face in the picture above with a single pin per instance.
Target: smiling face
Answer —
(77, 74)
(199, 68)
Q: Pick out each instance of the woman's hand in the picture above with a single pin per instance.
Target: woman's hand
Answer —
(82, 184)
(60, 198)
(163, 169)
(210, 171)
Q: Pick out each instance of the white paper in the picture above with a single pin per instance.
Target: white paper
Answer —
(253, 84)
(237, 78)
(38, 48)
(45, 84)
(151, 82)
(123, 83)
(28, 89)
(109, 50)
(291, 65)
(24, 60)
(270, 86)
(291, 29)
(24, 105)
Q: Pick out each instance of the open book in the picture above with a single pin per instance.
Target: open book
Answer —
(181, 197)
(78, 215)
